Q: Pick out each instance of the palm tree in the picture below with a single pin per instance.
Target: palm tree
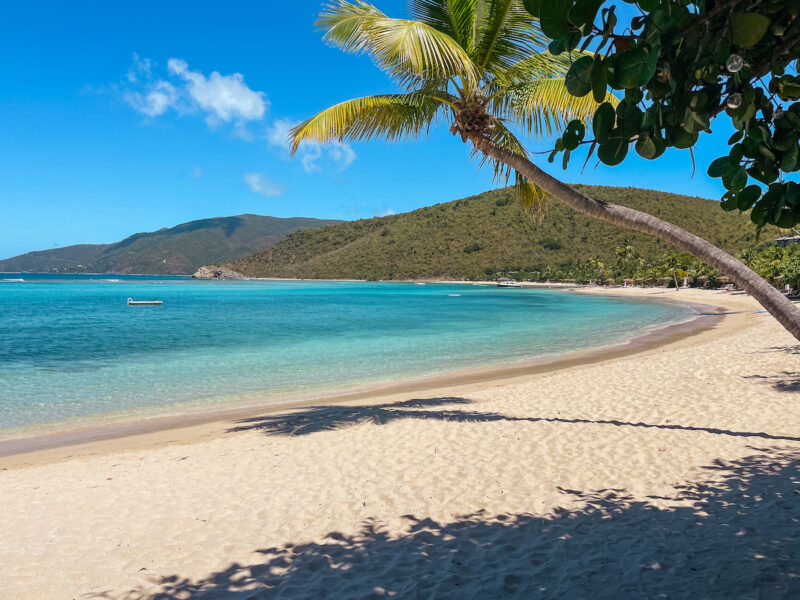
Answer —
(672, 265)
(597, 269)
(628, 259)
(482, 66)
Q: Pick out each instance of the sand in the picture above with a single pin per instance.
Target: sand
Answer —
(668, 473)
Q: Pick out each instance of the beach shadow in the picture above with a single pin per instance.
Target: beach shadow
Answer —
(786, 381)
(784, 349)
(732, 535)
(338, 416)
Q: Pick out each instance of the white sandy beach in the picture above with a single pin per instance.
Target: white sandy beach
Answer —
(668, 473)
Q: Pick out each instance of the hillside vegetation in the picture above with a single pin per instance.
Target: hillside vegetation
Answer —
(174, 251)
(482, 235)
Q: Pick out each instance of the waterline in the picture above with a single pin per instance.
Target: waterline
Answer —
(73, 351)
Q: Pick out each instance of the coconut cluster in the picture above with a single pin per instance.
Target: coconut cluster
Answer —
(471, 119)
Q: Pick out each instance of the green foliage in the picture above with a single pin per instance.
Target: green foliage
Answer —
(178, 250)
(780, 266)
(473, 247)
(628, 266)
(440, 241)
(483, 67)
(550, 243)
(681, 64)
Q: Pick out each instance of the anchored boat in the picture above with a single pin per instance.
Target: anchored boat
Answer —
(156, 302)
(506, 283)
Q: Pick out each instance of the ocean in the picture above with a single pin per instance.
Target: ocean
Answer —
(73, 352)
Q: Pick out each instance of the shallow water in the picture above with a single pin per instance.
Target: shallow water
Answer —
(73, 348)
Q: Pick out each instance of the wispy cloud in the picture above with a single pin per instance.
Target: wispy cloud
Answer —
(343, 155)
(155, 101)
(259, 184)
(141, 67)
(197, 172)
(222, 98)
(339, 155)
(278, 134)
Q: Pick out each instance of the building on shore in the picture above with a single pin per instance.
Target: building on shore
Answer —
(787, 240)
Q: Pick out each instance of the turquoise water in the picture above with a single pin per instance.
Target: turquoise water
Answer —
(73, 348)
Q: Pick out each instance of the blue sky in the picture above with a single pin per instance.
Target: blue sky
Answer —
(126, 117)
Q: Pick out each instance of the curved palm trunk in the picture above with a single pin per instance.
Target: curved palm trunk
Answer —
(770, 298)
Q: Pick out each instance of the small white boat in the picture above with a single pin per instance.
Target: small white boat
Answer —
(132, 302)
(506, 283)
(12, 280)
(454, 295)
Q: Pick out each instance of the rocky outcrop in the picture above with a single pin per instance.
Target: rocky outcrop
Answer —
(215, 272)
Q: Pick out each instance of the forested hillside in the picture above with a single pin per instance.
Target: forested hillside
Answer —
(478, 236)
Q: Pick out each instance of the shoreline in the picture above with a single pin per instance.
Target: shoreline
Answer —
(665, 469)
(147, 431)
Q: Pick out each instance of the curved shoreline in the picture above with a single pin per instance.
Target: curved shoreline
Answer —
(144, 432)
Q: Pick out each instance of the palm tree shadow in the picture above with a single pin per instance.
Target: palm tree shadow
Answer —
(733, 535)
(338, 416)
(794, 349)
(786, 381)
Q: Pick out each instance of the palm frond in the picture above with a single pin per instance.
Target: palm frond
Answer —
(540, 65)
(507, 34)
(543, 107)
(343, 24)
(531, 197)
(409, 51)
(388, 116)
(456, 18)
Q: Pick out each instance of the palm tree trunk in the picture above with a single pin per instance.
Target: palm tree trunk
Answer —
(770, 298)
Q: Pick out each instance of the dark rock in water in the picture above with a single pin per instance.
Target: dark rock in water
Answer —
(215, 272)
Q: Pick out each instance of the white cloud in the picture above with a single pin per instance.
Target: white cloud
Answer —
(387, 213)
(259, 184)
(197, 172)
(341, 155)
(309, 155)
(141, 67)
(155, 101)
(278, 133)
(224, 97)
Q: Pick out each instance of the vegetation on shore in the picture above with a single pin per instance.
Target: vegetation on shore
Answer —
(779, 266)
(480, 236)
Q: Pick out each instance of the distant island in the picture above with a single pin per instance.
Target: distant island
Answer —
(177, 250)
(477, 237)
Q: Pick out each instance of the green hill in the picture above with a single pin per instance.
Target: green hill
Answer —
(478, 236)
(177, 250)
